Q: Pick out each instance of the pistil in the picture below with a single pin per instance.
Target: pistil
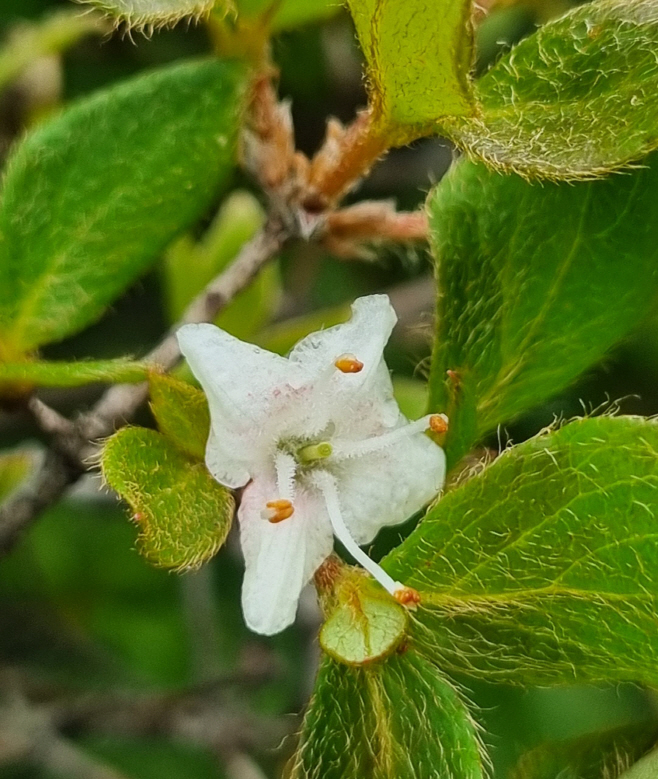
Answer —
(314, 452)
(326, 483)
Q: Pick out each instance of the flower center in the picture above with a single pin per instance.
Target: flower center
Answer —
(314, 452)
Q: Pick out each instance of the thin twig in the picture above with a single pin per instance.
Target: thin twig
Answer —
(46, 486)
(119, 403)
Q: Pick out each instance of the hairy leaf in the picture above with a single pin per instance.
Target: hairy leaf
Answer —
(544, 568)
(646, 768)
(181, 412)
(93, 197)
(536, 283)
(146, 13)
(599, 755)
(577, 99)
(419, 53)
(396, 719)
(182, 513)
(72, 374)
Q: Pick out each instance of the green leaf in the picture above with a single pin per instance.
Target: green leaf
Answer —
(15, 467)
(411, 396)
(536, 283)
(252, 309)
(593, 756)
(290, 13)
(159, 13)
(181, 412)
(419, 54)
(182, 513)
(364, 622)
(397, 719)
(190, 266)
(92, 198)
(52, 35)
(544, 568)
(72, 374)
(577, 99)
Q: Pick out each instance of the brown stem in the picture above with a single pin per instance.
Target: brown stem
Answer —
(345, 158)
(373, 221)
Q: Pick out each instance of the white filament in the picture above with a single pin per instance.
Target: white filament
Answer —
(343, 450)
(286, 470)
(326, 483)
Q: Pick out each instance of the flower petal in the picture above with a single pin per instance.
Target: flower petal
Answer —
(240, 381)
(387, 487)
(367, 412)
(279, 558)
(365, 336)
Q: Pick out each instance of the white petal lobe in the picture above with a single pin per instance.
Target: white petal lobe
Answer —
(364, 336)
(387, 487)
(239, 380)
(279, 558)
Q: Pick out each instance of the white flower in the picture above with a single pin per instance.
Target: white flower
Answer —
(321, 445)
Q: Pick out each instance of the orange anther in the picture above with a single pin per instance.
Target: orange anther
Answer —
(347, 363)
(278, 510)
(407, 596)
(439, 423)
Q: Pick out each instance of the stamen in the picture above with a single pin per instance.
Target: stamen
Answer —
(407, 596)
(314, 452)
(347, 363)
(277, 510)
(326, 483)
(439, 423)
(347, 449)
(286, 470)
(282, 508)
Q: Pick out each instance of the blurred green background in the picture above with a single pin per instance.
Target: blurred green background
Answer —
(154, 674)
